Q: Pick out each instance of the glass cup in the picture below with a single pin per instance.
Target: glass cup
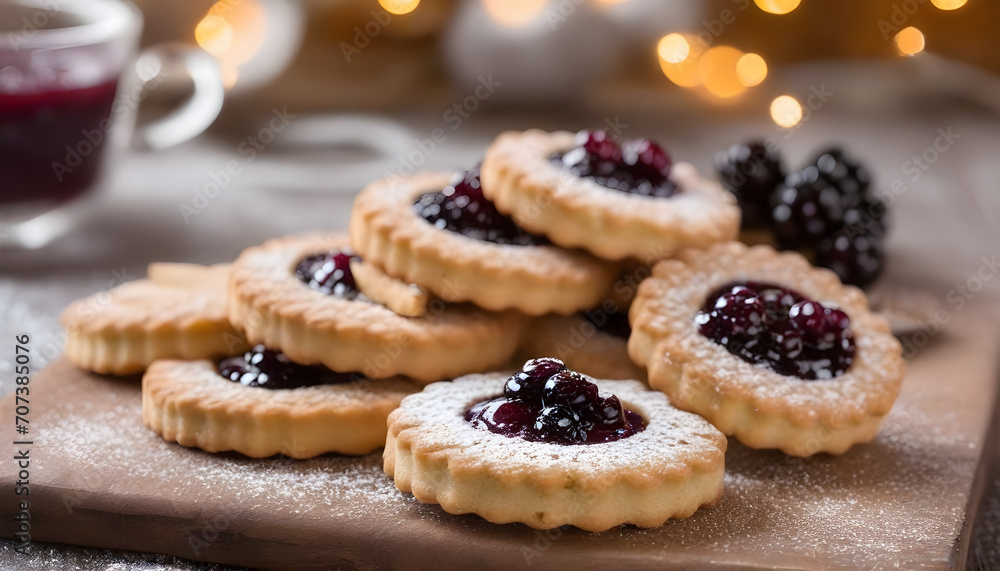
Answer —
(70, 83)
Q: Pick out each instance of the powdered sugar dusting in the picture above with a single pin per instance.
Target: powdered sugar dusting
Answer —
(864, 509)
(116, 442)
(672, 442)
(898, 501)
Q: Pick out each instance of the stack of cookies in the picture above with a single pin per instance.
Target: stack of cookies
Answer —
(309, 344)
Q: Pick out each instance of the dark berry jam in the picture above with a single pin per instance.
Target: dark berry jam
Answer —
(639, 166)
(462, 208)
(265, 368)
(52, 141)
(546, 402)
(329, 273)
(775, 327)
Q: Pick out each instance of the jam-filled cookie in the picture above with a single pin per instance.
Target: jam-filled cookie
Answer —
(551, 447)
(305, 296)
(179, 311)
(261, 404)
(766, 347)
(617, 201)
(441, 233)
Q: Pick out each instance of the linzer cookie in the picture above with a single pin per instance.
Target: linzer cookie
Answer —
(299, 295)
(261, 404)
(438, 230)
(617, 201)
(550, 447)
(766, 347)
(178, 312)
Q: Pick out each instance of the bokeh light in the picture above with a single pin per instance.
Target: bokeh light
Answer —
(948, 4)
(786, 111)
(673, 48)
(399, 7)
(514, 13)
(230, 73)
(233, 34)
(751, 69)
(909, 41)
(717, 71)
(685, 71)
(777, 6)
(214, 34)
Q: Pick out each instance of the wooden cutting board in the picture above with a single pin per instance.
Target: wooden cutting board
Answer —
(98, 477)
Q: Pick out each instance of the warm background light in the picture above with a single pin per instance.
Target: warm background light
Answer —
(514, 13)
(399, 6)
(909, 41)
(233, 33)
(673, 48)
(777, 6)
(751, 69)
(786, 111)
(717, 71)
(214, 34)
(684, 72)
(948, 4)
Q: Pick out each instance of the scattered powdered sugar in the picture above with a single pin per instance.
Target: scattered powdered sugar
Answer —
(899, 501)
(673, 442)
(114, 453)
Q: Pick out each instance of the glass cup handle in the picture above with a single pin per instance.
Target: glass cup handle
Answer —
(196, 114)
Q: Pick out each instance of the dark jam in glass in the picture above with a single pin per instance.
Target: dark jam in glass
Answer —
(52, 141)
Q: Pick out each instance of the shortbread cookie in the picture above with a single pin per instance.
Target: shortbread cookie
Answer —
(178, 312)
(767, 348)
(594, 343)
(551, 450)
(299, 296)
(193, 404)
(584, 190)
(441, 233)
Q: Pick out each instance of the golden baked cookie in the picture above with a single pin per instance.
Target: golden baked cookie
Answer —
(551, 184)
(551, 450)
(600, 352)
(178, 312)
(766, 347)
(298, 295)
(461, 249)
(193, 404)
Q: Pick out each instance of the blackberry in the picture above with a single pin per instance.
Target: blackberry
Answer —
(529, 383)
(870, 216)
(561, 424)
(850, 177)
(751, 173)
(856, 258)
(806, 209)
